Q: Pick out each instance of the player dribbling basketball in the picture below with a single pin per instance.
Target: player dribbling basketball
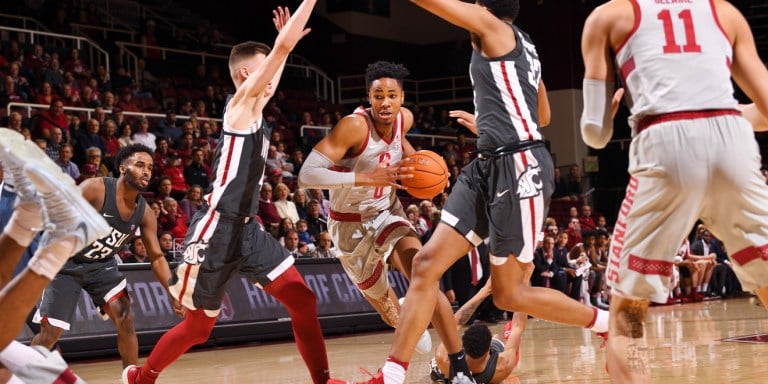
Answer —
(358, 162)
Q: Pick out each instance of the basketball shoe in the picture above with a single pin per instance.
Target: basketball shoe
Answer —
(51, 369)
(66, 212)
(425, 341)
(131, 374)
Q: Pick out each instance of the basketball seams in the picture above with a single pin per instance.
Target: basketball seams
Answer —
(430, 174)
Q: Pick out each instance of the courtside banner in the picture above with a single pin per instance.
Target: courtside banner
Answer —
(243, 303)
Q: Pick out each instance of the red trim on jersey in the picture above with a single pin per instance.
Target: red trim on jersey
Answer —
(750, 253)
(388, 231)
(66, 377)
(638, 17)
(367, 137)
(386, 139)
(648, 121)
(210, 214)
(717, 21)
(373, 278)
(229, 160)
(627, 67)
(650, 267)
(339, 168)
(728, 62)
(345, 216)
(531, 204)
(514, 99)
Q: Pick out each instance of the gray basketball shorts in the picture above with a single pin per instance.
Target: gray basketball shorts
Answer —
(504, 198)
(102, 280)
(215, 249)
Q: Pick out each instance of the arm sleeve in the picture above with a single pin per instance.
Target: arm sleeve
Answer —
(316, 173)
(596, 119)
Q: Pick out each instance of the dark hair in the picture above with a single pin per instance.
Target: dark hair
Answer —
(476, 340)
(128, 151)
(381, 69)
(502, 8)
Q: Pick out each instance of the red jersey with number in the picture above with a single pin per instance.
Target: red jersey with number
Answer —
(376, 150)
(676, 58)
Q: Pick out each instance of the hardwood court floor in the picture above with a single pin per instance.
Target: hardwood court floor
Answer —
(685, 343)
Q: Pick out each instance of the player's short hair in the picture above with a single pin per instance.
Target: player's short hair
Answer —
(381, 69)
(502, 8)
(243, 51)
(476, 340)
(128, 151)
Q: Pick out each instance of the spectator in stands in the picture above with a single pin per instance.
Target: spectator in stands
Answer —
(546, 272)
(292, 244)
(42, 144)
(185, 147)
(296, 160)
(143, 136)
(45, 94)
(108, 101)
(267, 210)
(601, 224)
(162, 152)
(174, 170)
(53, 74)
(93, 83)
(282, 229)
(198, 172)
(87, 98)
(301, 201)
(450, 152)
(35, 62)
(315, 222)
(285, 207)
(168, 245)
(70, 97)
(412, 212)
(213, 102)
(169, 126)
(138, 252)
(574, 232)
(193, 202)
(100, 115)
(164, 187)
(95, 156)
(274, 162)
(122, 82)
(574, 182)
(13, 52)
(304, 236)
(173, 219)
(150, 42)
(585, 219)
(10, 94)
(325, 248)
(325, 204)
(103, 79)
(54, 143)
(126, 137)
(274, 177)
(89, 138)
(15, 122)
(52, 117)
(23, 85)
(75, 65)
(704, 250)
(65, 162)
(425, 209)
(127, 102)
(111, 143)
(87, 171)
(579, 261)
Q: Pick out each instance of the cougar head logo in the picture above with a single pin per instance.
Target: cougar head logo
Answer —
(529, 182)
(196, 252)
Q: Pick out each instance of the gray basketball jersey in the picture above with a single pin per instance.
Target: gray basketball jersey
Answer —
(105, 248)
(506, 95)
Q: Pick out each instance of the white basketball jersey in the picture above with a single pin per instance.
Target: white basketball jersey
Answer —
(376, 150)
(676, 58)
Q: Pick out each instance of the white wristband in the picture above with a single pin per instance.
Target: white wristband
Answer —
(316, 173)
(596, 120)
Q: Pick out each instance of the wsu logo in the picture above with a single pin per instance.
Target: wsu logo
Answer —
(529, 183)
(196, 252)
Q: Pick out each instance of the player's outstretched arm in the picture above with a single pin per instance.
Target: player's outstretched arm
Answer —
(156, 257)
(346, 138)
(240, 110)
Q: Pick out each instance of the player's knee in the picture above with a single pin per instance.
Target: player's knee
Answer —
(422, 268)
(49, 334)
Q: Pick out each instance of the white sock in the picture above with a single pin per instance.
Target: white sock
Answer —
(394, 373)
(47, 262)
(16, 355)
(705, 287)
(601, 321)
(24, 224)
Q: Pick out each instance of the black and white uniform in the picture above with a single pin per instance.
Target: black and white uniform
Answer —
(504, 193)
(94, 268)
(223, 238)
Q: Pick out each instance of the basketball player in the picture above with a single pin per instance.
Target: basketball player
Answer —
(46, 198)
(223, 239)
(676, 60)
(503, 194)
(95, 267)
(358, 163)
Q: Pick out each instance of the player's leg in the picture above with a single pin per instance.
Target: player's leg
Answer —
(36, 365)
(269, 265)
(57, 307)
(119, 311)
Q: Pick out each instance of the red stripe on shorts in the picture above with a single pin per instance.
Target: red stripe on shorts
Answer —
(388, 231)
(371, 280)
(650, 267)
(750, 253)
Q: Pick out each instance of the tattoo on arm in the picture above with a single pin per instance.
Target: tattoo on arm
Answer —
(466, 311)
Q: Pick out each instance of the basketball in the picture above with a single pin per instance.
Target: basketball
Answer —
(430, 174)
